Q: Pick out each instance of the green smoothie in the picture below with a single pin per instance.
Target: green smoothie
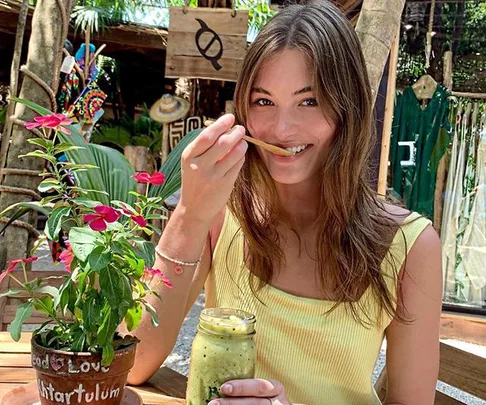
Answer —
(222, 350)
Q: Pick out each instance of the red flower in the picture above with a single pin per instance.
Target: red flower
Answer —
(104, 214)
(13, 264)
(53, 121)
(139, 220)
(66, 257)
(156, 179)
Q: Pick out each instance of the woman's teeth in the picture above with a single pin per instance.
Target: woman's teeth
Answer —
(296, 149)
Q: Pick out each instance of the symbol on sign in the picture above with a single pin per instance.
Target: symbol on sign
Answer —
(204, 51)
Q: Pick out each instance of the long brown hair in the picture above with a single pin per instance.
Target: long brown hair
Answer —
(353, 234)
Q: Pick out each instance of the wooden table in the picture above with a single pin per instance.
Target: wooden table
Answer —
(165, 387)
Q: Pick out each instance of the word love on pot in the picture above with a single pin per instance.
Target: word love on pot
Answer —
(57, 363)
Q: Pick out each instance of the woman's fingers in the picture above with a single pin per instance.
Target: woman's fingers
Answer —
(246, 401)
(254, 387)
(209, 135)
(232, 158)
(224, 144)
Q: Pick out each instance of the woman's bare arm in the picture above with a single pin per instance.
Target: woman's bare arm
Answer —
(413, 348)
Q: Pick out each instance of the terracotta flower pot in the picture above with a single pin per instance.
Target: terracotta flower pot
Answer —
(79, 378)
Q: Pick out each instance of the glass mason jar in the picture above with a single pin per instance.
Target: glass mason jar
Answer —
(222, 350)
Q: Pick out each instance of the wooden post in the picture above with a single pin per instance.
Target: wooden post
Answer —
(444, 161)
(388, 120)
(229, 107)
(86, 55)
(165, 142)
(448, 70)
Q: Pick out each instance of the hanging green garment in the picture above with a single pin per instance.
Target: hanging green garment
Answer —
(429, 129)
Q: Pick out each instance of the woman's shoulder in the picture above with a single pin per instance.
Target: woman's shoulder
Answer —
(401, 216)
(414, 230)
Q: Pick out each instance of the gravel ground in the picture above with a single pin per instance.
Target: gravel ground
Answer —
(179, 358)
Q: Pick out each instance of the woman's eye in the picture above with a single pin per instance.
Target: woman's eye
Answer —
(262, 102)
(309, 102)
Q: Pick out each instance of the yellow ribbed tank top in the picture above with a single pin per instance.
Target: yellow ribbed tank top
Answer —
(319, 358)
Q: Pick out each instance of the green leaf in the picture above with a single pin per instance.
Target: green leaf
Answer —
(109, 281)
(22, 209)
(133, 316)
(91, 313)
(36, 107)
(11, 293)
(108, 326)
(34, 205)
(126, 294)
(72, 166)
(65, 147)
(98, 258)
(108, 354)
(41, 142)
(49, 289)
(82, 242)
(49, 184)
(63, 287)
(146, 251)
(114, 173)
(44, 304)
(54, 222)
(153, 313)
(85, 202)
(24, 311)
(42, 155)
(78, 342)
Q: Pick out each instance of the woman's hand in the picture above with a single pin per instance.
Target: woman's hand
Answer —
(252, 392)
(210, 166)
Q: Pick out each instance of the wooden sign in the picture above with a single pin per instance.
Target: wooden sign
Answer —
(206, 43)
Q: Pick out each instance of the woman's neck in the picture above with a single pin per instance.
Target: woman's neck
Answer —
(300, 202)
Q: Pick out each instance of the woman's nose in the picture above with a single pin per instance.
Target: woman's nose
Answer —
(285, 124)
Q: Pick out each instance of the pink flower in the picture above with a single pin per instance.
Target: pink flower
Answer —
(103, 214)
(156, 179)
(53, 121)
(158, 273)
(66, 257)
(13, 264)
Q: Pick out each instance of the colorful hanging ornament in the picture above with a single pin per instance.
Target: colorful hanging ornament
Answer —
(88, 103)
(80, 56)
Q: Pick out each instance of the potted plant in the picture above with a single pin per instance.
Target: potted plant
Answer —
(78, 354)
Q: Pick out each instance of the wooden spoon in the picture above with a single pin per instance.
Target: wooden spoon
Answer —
(271, 148)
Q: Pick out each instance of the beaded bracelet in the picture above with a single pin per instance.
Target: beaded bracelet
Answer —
(179, 263)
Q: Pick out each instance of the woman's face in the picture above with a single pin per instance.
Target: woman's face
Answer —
(284, 112)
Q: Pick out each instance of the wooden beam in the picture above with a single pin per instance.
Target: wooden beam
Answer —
(462, 370)
(126, 35)
(466, 328)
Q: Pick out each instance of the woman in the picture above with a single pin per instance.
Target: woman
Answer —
(302, 241)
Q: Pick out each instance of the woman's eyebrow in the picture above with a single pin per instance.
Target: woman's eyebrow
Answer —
(260, 90)
(303, 90)
(263, 91)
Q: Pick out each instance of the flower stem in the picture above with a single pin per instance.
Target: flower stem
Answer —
(16, 280)
(25, 272)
